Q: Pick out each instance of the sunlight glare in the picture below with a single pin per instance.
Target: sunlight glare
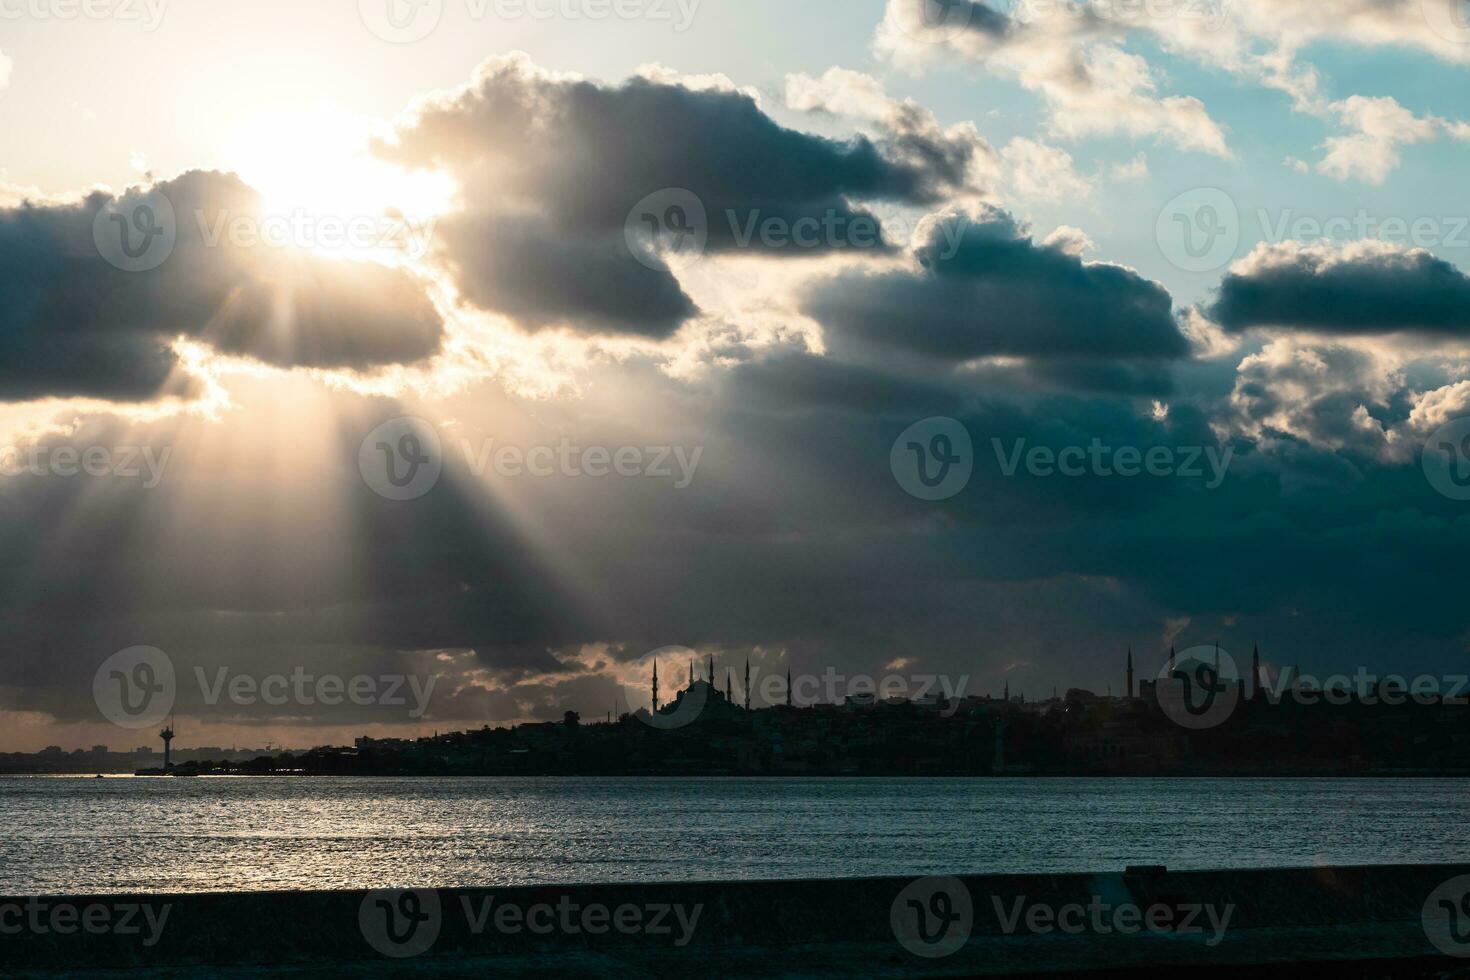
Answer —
(317, 177)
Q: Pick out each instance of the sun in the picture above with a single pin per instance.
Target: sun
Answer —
(324, 191)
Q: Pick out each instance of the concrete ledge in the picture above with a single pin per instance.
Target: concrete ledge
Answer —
(1362, 920)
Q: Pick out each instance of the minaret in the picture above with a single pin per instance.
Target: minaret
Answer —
(691, 673)
(1171, 662)
(788, 688)
(655, 685)
(1129, 693)
(1006, 697)
(711, 675)
(728, 674)
(1256, 671)
(168, 736)
(747, 683)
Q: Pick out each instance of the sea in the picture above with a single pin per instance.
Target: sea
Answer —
(87, 836)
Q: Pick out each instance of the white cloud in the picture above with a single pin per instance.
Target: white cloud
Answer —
(1076, 64)
(1073, 56)
(1038, 172)
(1380, 126)
(912, 129)
(1135, 169)
(1320, 394)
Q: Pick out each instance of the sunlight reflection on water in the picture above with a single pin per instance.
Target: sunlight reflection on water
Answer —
(63, 835)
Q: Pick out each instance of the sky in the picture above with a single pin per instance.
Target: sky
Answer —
(472, 357)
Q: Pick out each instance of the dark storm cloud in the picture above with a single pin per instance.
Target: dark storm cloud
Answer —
(1315, 288)
(521, 268)
(984, 288)
(73, 323)
(578, 156)
(793, 381)
(795, 537)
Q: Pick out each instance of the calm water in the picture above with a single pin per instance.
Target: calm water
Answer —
(62, 835)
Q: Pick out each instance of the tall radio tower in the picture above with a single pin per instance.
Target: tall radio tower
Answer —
(168, 736)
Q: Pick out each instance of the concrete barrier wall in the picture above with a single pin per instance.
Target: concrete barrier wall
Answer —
(1357, 918)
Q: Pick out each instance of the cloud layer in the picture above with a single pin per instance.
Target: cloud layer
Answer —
(77, 321)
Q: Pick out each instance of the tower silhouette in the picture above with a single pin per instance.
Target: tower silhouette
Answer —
(655, 684)
(1129, 692)
(168, 737)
